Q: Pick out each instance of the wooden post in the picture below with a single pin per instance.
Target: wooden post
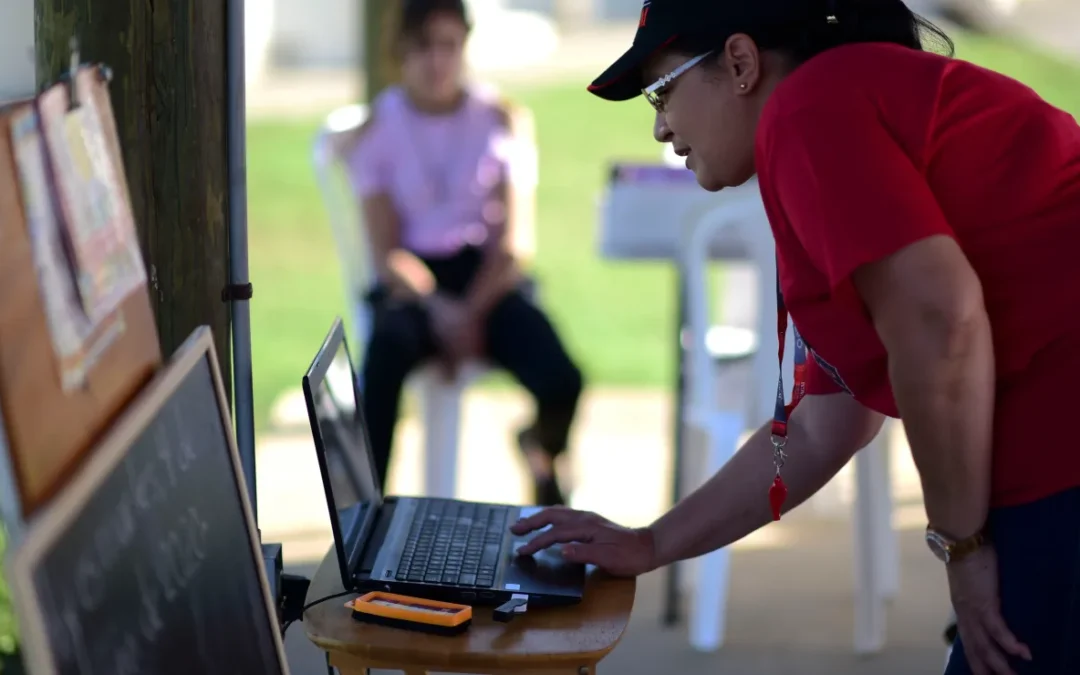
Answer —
(168, 93)
(378, 23)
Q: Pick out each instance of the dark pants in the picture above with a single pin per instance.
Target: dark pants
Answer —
(518, 337)
(1038, 548)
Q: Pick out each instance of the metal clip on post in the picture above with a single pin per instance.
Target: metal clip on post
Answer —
(73, 71)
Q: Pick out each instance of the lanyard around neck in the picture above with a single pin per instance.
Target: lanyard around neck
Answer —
(782, 410)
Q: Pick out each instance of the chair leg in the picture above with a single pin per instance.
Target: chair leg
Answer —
(708, 611)
(887, 551)
(441, 403)
(869, 602)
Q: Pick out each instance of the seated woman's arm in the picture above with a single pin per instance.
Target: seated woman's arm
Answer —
(499, 273)
(367, 156)
(405, 275)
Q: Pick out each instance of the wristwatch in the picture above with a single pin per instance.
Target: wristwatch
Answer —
(949, 550)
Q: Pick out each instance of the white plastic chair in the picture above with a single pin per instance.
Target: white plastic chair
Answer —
(732, 226)
(721, 422)
(718, 412)
(440, 399)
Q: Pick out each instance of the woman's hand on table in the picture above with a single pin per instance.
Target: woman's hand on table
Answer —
(590, 539)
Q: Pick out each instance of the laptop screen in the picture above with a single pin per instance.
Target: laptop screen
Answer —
(337, 426)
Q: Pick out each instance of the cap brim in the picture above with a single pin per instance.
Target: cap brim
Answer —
(622, 80)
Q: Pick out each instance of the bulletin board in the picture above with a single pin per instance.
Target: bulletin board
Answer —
(77, 332)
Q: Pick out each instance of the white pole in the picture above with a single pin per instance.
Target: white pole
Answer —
(238, 245)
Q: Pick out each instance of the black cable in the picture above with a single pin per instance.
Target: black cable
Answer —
(312, 604)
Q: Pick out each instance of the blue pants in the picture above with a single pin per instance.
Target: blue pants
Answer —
(1038, 547)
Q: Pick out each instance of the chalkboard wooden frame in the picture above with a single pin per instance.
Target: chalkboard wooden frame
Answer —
(51, 522)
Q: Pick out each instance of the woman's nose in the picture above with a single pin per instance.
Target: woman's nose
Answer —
(660, 129)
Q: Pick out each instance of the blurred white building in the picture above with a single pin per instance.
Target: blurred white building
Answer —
(17, 72)
(325, 34)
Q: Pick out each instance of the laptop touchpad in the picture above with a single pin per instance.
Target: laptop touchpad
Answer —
(544, 570)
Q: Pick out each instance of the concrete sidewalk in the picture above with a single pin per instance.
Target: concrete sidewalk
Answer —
(792, 596)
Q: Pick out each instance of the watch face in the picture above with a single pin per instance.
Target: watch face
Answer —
(938, 546)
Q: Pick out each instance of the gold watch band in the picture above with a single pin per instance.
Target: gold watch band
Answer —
(949, 550)
(965, 547)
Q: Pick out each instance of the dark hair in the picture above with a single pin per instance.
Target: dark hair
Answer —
(821, 25)
(416, 13)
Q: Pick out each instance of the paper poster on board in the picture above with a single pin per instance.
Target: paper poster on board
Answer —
(96, 217)
(77, 339)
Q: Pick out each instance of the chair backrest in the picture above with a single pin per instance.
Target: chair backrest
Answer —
(344, 214)
(336, 139)
(741, 212)
(523, 188)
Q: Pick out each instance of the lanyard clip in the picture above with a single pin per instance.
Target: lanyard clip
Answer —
(779, 454)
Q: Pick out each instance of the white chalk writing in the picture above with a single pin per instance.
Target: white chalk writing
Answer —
(136, 559)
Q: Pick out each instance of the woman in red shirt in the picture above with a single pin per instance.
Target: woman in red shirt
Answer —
(926, 214)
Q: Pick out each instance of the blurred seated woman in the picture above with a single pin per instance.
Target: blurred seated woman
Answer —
(433, 168)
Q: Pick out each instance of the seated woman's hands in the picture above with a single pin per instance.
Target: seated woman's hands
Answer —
(457, 330)
(590, 539)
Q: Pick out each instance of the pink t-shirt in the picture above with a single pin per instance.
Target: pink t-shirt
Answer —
(440, 171)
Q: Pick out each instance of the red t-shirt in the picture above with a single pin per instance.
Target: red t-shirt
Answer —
(868, 148)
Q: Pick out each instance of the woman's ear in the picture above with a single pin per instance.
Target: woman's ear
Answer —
(743, 62)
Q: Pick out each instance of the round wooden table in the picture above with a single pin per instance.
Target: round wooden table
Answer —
(545, 641)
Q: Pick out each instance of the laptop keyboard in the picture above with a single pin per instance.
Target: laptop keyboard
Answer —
(453, 542)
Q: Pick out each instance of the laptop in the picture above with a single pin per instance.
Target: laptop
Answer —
(441, 549)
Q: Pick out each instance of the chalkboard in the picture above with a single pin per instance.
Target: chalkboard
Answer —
(148, 562)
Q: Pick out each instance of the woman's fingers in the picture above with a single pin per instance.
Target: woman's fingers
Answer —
(994, 659)
(586, 554)
(549, 516)
(984, 655)
(448, 367)
(559, 534)
(1004, 637)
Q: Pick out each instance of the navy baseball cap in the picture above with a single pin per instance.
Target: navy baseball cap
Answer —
(662, 22)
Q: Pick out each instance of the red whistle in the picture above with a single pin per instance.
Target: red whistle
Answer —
(777, 495)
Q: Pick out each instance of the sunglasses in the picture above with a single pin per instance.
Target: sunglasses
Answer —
(654, 91)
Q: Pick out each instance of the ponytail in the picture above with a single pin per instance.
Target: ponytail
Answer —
(819, 25)
(856, 21)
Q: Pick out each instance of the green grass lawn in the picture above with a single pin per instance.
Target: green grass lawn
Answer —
(8, 631)
(616, 317)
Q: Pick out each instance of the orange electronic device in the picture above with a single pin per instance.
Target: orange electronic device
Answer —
(419, 614)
